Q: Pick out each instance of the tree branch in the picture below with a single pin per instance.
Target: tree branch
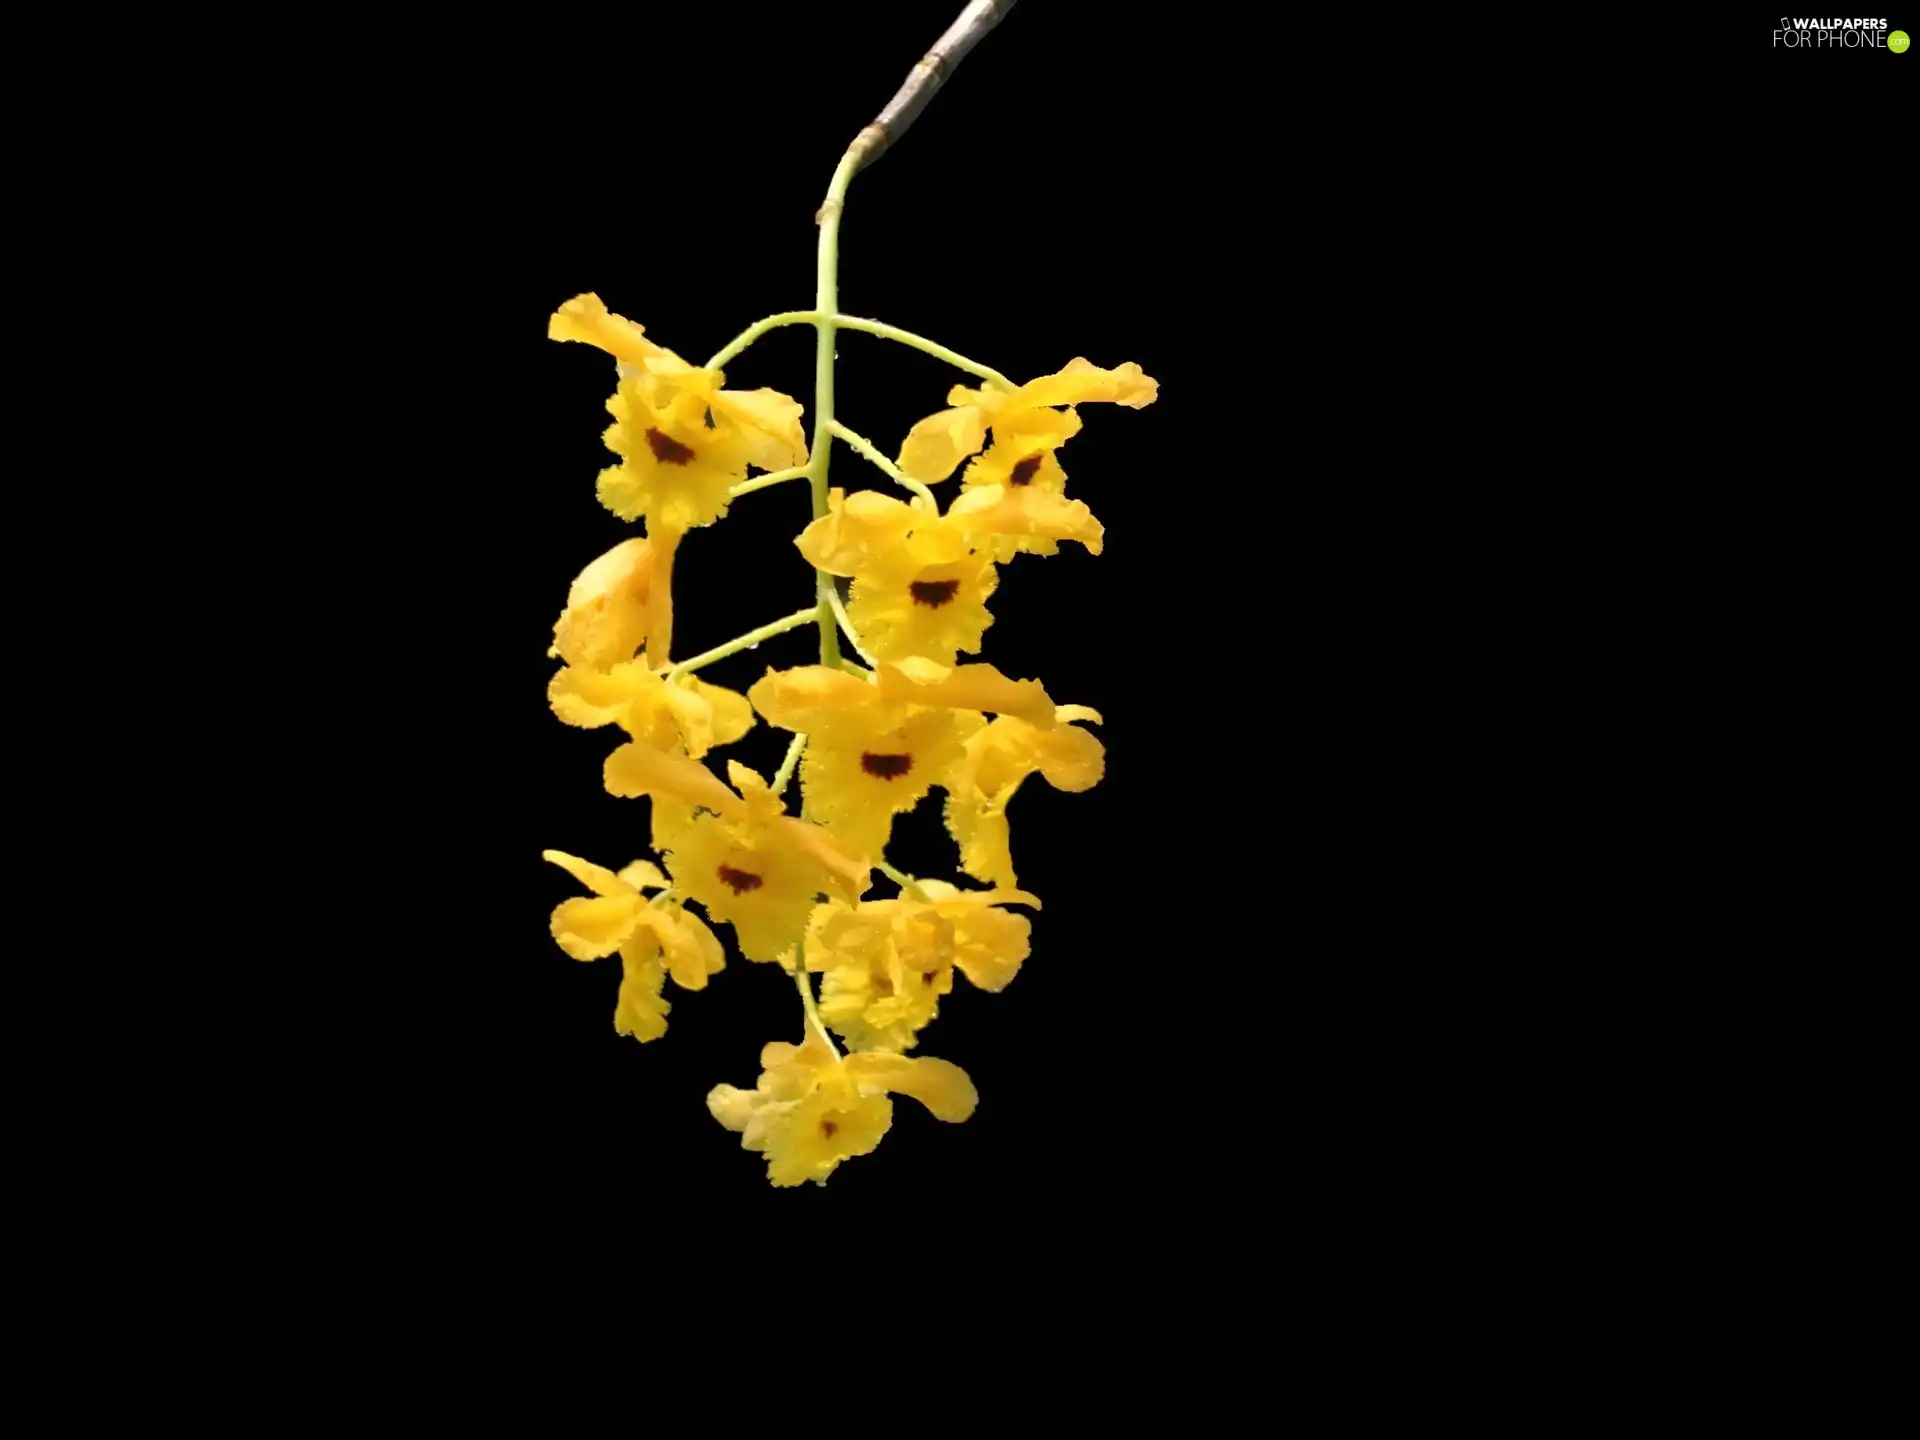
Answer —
(929, 75)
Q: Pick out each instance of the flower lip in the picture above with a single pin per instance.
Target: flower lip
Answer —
(886, 767)
(739, 881)
(1022, 473)
(933, 593)
(666, 449)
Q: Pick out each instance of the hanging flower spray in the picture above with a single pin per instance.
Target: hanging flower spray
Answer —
(871, 737)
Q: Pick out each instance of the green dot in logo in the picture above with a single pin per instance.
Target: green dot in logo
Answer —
(1897, 41)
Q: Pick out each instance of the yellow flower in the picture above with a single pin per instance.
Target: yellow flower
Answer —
(609, 608)
(868, 533)
(872, 996)
(940, 611)
(1022, 419)
(669, 715)
(921, 580)
(868, 757)
(1031, 520)
(682, 439)
(988, 942)
(920, 584)
(585, 319)
(1029, 510)
(855, 785)
(635, 770)
(748, 862)
(682, 445)
(875, 749)
(919, 681)
(811, 1109)
(682, 718)
(1000, 756)
(686, 716)
(653, 940)
(888, 962)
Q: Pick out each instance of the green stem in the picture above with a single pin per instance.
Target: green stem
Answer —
(761, 482)
(853, 637)
(899, 877)
(785, 772)
(868, 451)
(872, 327)
(754, 331)
(746, 641)
(805, 986)
(920, 342)
(826, 303)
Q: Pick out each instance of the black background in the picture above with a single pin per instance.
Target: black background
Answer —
(1048, 204)
(1364, 631)
(1017, 229)
(1492, 638)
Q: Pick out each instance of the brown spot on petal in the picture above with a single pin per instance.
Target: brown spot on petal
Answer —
(933, 593)
(829, 1129)
(739, 881)
(885, 767)
(666, 449)
(1022, 473)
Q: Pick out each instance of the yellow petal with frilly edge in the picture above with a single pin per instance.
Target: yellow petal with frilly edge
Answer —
(855, 781)
(998, 510)
(675, 469)
(769, 425)
(979, 827)
(592, 929)
(830, 1126)
(1009, 749)
(936, 445)
(791, 1071)
(990, 944)
(867, 533)
(589, 698)
(937, 612)
(850, 874)
(597, 878)
(919, 681)
(1081, 381)
(706, 715)
(641, 1011)
(811, 698)
(607, 615)
(940, 1085)
(586, 319)
(750, 878)
(951, 900)
(635, 770)
(731, 716)
(692, 951)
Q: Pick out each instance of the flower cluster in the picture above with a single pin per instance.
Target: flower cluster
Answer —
(870, 741)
